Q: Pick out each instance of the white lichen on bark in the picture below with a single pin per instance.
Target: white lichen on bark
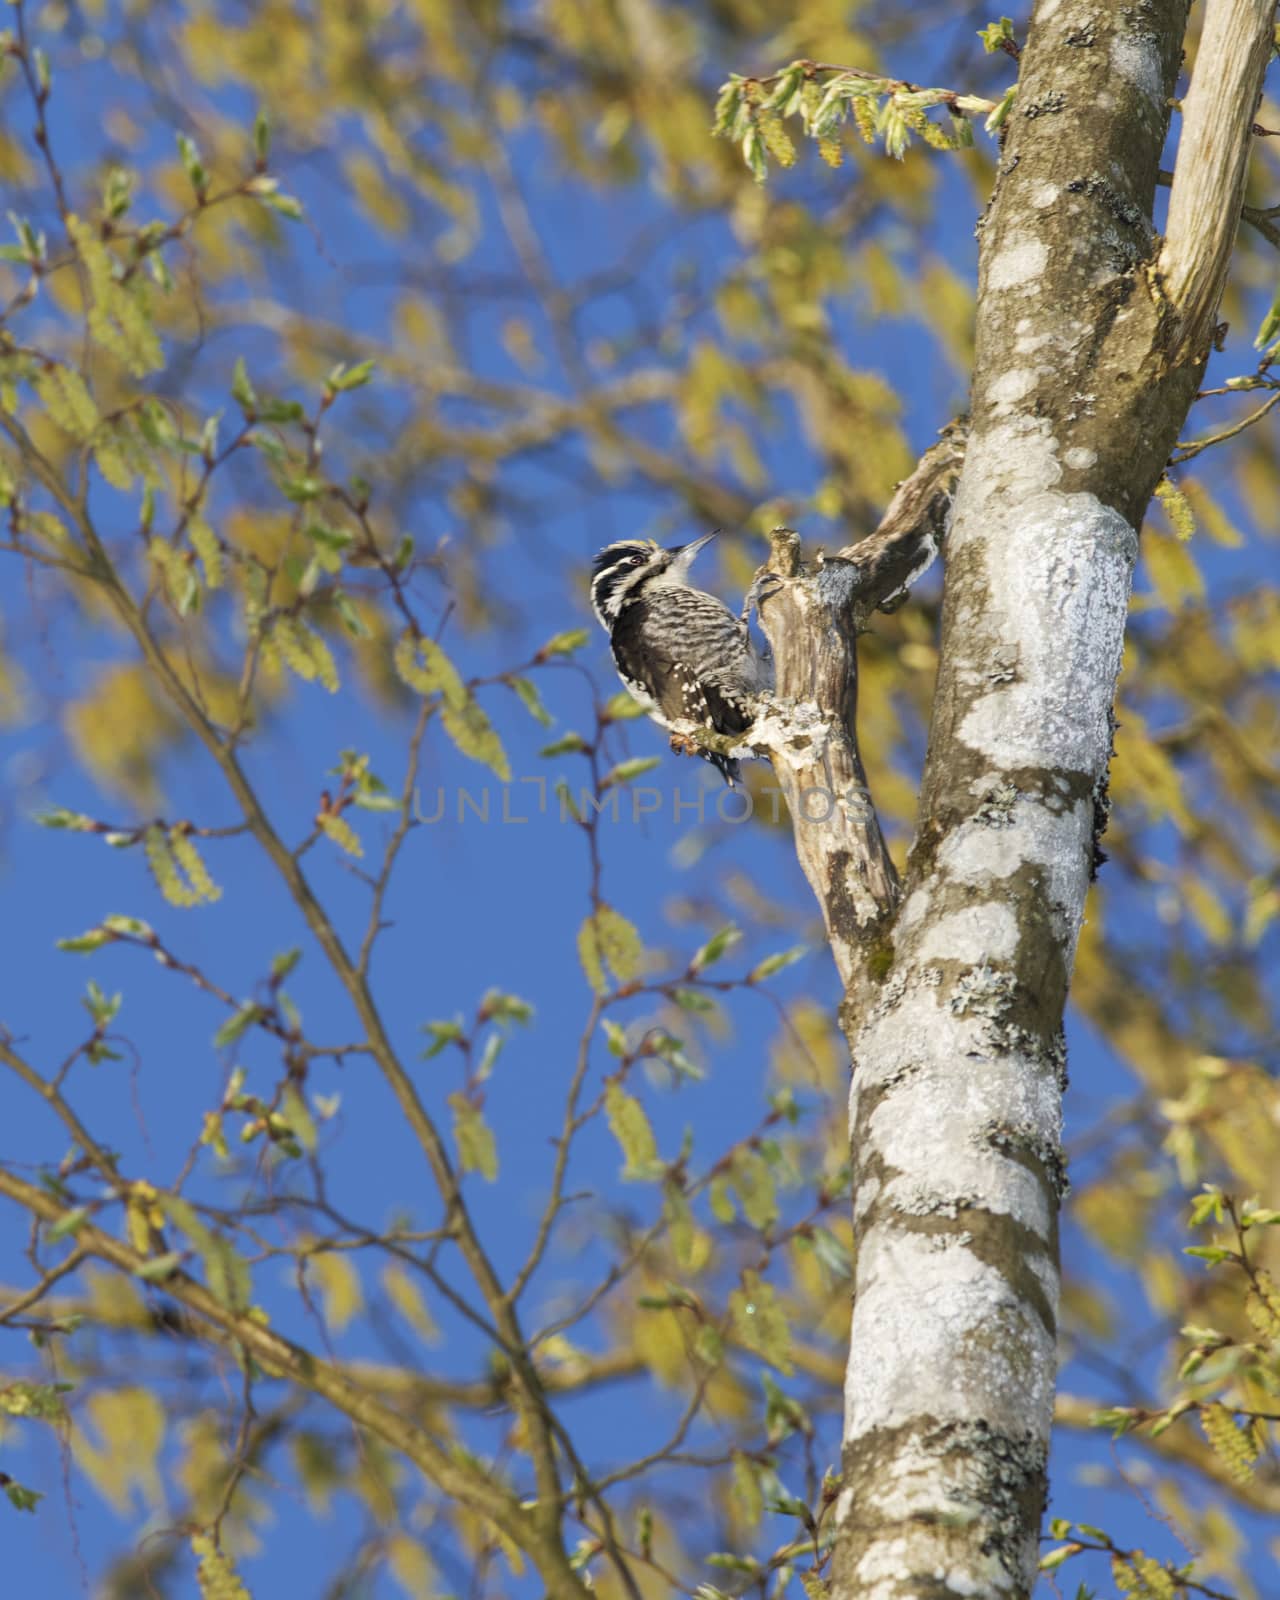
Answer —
(1084, 371)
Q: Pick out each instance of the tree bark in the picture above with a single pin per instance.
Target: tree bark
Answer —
(812, 614)
(1092, 334)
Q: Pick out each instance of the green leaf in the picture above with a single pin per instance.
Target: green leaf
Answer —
(721, 1201)
(1205, 1205)
(529, 698)
(488, 1058)
(157, 1268)
(237, 1025)
(275, 410)
(566, 744)
(760, 1322)
(718, 945)
(753, 1180)
(626, 771)
(351, 619)
(728, 1562)
(57, 817)
(286, 204)
(1270, 324)
(622, 707)
(996, 35)
(102, 1008)
(343, 378)
(191, 161)
(285, 963)
(833, 1255)
(694, 1000)
(563, 644)
(441, 1034)
(616, 1037)
(300, 490)
(21, 1498)
(82, 943)
(1053, 1559)
(789, 1506)
(298, 1116)
(630, 1127)
(43, 1401)
(68, 1222)
(753, 153)
(671, 1050)
(1120, 1419)
(777, 963)
(477, 1150)
(680, 1226)
(226, 1273)
(999, 116)
(500, 1007)
(242, 390)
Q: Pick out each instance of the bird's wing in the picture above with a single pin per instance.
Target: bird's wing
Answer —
(666, 670)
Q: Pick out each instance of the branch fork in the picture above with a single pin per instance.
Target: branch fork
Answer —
(811, 614)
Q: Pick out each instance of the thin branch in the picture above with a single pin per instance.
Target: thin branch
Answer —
(37, 1292)
(1193, 447)
(1213, 162)
(281, 1357)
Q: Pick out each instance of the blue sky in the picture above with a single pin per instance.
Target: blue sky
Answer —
(476, 904)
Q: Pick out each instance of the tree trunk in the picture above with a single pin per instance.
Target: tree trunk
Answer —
(1092, 334)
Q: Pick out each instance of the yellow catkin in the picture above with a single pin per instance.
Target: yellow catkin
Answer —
(192, 863)
(67, 399)
(1177, 508)
(164, 869)
(1262, 1306)
(1142, 1577)
(118, 318)
(177, 576)
(1236, 1448)
(204, 541)
(423, 666)
(777, 141)
(217, 1578)
(304, 652)
(341, 832)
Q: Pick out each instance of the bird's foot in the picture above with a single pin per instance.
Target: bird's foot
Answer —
(684, 745)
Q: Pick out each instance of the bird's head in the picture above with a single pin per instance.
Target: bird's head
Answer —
(624, 571)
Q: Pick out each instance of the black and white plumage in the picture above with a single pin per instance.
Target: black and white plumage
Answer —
(681, 652)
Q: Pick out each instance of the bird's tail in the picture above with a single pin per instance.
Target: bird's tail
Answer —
(726, 766)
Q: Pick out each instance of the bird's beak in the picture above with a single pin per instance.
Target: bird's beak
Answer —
(686, 553)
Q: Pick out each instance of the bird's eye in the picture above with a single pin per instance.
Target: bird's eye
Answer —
(635, 561)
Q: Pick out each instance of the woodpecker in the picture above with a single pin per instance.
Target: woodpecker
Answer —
(681, 652)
